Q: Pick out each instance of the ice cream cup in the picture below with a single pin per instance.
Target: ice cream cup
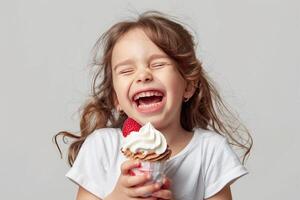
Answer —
(155, 169)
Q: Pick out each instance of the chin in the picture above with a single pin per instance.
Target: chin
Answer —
(157, 123)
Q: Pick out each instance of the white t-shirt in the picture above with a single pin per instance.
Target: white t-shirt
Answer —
(197, 172)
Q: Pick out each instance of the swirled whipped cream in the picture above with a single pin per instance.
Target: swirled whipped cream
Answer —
(146, 140)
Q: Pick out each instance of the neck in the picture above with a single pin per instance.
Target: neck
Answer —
(173, 133)
(177, 138)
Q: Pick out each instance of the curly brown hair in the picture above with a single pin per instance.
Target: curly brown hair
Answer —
(205, 109)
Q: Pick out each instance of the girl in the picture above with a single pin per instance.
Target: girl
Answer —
(149, 72)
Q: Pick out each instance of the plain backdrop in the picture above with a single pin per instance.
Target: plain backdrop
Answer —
(249, 47)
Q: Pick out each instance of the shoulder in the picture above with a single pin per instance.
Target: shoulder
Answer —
(105, 133)
(219, 162)
(215, 149)
(108, 137)
(208, 138)
(209, 143)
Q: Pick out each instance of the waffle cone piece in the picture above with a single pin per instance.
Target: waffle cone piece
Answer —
(151, 156)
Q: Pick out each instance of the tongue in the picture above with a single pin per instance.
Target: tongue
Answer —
(149, 100)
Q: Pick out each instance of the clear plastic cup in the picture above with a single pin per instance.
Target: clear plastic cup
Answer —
(155, 169)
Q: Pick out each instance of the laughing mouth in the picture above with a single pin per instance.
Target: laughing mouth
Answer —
(148, 99)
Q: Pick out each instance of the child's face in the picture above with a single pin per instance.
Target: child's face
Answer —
(148, 86)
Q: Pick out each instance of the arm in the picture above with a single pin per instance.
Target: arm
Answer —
(85, 195)
(224, 194)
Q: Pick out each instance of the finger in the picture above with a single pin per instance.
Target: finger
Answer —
(144, 191)
(128, 165)
(149, 198)
(145, 198)
(166, 183)
(162, 194)
(130, 181)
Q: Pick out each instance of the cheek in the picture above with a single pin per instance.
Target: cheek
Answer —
(121, 88)
(176, 84)
(116, 87)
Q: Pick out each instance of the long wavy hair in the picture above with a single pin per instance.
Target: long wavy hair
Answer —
(205, 109)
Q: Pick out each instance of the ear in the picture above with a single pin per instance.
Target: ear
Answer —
(189, 90)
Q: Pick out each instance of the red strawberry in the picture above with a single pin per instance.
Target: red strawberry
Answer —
(129, 126)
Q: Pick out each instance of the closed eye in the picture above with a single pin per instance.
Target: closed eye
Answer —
(159, 65)
(125, 71)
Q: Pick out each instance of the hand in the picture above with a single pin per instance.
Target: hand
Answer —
(164, 192)
(132, 187)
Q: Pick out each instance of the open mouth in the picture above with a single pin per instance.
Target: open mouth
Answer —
(148, 100)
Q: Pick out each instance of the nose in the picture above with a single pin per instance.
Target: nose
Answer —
(144, 75)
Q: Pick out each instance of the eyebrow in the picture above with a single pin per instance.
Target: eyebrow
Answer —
(157, 56)
(130, 61)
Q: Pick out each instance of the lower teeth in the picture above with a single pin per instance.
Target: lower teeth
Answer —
(148, 105)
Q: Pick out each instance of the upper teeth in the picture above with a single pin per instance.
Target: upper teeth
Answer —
(147, 94)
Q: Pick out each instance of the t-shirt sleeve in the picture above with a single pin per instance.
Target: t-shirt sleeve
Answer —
(222, 167)
(90, 167)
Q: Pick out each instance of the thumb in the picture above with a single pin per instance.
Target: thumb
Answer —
(128, 165)
(166, 183)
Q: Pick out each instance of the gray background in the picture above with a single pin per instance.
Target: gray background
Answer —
(250, 48)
